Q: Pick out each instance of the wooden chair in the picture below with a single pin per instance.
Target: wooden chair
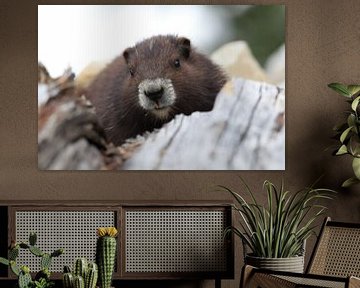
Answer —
(335, 262)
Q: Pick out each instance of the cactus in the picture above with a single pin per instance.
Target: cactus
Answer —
(68, 280)
(105, 254)
(25, 269)
(57, 252)
(67, 269)
(24, 280)
(79, 282)
(91, 276)
(42, 278)
(44, 273)
(32, 238)
(13, 253)
(90, 272)
(24, 245)
(36, 251)
(80, 267)
(24, 277)
(45, 261)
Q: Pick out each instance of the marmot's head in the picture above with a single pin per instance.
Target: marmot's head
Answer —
(169, 77)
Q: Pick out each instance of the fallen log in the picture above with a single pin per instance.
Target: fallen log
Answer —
(69, 134)
(244, 131)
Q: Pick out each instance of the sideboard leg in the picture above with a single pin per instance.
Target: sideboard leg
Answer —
(217, 283)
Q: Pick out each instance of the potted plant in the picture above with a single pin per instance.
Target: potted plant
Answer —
(87, 274)
(348, 133)
(84, 274)
(42, 278)
(106, 254)
(276, 233)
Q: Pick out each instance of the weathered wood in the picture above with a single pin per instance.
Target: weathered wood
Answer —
(69, 136)
(244, 131)
(66, 141)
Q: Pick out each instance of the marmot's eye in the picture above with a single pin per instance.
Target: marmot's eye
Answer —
(131, 71)
(177, 63)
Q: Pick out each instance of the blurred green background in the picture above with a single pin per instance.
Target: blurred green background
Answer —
(261, 26)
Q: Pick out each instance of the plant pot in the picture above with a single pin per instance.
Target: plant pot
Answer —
(291, 264)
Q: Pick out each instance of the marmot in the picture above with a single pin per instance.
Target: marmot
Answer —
(150, 83)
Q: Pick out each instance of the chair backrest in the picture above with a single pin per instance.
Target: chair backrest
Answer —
(337, 251)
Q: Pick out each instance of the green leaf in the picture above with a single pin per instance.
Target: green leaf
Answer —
(4, 261)
(14, 268)
(342, 150)
(356, 167)
(354, 145)
(351, 120)
(355, 103)
(349, 182)
(340, 88)
(279, 228)
(345, 134)
(353, 89)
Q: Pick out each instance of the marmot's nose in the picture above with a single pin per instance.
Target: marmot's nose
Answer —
(154, 94)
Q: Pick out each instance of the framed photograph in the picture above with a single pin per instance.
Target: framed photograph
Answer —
(161, 87)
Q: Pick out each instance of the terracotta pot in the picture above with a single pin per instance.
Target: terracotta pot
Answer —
(291, 264)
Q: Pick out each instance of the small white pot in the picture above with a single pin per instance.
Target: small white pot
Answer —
(291, 264)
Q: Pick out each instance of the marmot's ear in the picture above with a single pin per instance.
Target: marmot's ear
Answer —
(127, 53)
(184, 46)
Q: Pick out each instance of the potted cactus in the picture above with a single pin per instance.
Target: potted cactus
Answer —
(84, 275)
(42, 278)
(106, 254)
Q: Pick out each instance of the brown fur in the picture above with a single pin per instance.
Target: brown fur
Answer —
(114, 92)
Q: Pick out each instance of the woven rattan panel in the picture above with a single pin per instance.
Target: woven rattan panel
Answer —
(75, 231)
(175, 241)
(338, 253)
(311, 282)
(268, 280)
